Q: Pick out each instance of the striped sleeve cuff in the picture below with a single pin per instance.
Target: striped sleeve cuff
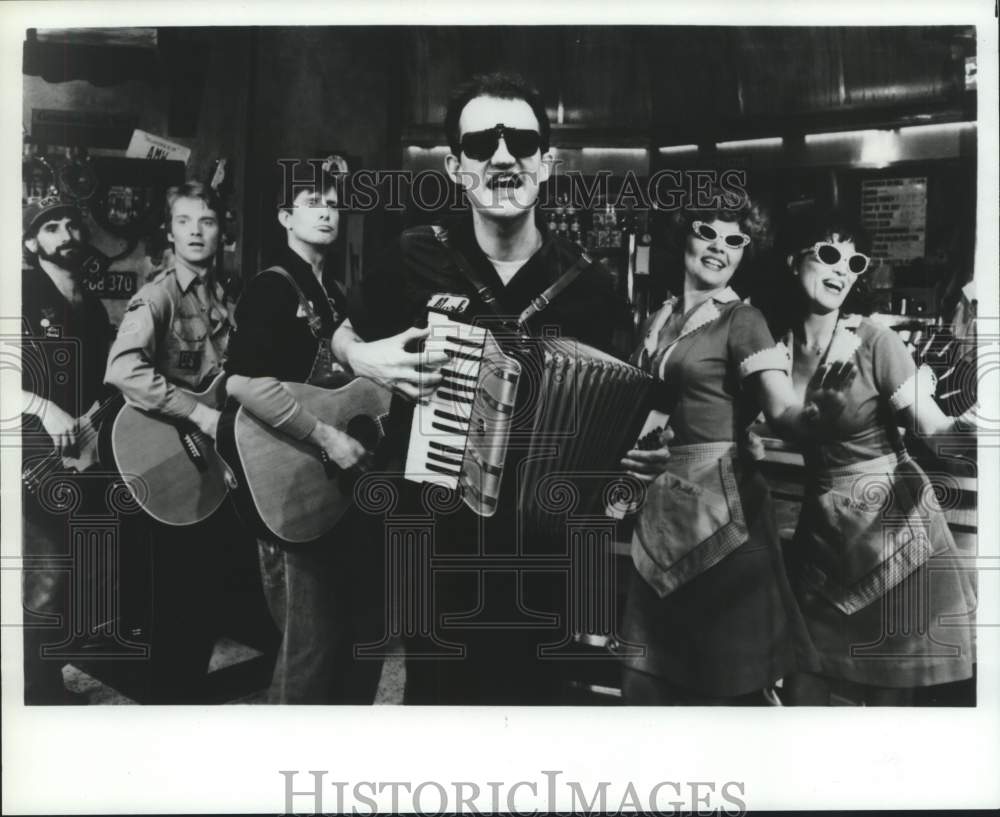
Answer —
(299, 423)
(178, 403)
(921, 382)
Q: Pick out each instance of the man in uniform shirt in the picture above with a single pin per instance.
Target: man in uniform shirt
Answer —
(498, 133)
(174, 335)
(59, 315)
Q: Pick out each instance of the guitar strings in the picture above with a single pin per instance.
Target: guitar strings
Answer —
(54, 459)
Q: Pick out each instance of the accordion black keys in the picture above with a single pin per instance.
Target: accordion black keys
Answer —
(570, 410)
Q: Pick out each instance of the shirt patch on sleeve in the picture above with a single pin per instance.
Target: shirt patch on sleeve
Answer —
(448, 303)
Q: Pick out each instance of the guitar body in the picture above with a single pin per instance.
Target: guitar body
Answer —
(297, 496)
(170, 467)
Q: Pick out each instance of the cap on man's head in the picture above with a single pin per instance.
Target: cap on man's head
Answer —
(36, 213)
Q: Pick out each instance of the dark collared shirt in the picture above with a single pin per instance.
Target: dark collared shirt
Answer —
(65, 345)
(273, 338)
(393, 294)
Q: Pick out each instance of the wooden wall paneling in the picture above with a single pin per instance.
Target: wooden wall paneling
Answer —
(787, 70)
(434, 68)
(442, 57)
(690, 94)
(605, 78)
(535, 52)
(317, 89)
(895, 65)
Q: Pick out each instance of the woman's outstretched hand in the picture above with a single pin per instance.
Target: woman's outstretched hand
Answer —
(826, 394)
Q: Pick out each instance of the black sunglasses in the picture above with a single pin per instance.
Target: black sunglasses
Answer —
(482, 144)
(829, 255)
(734, 241)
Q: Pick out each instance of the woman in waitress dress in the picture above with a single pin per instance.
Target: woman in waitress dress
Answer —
(873, 563)
(710, 617)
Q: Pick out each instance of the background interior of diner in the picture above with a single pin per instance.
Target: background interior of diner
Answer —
(878, 121)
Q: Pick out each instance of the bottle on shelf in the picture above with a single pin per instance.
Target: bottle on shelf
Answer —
(615, 233)
(574, 231)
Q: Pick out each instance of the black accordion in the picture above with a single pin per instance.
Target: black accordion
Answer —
(571, 410)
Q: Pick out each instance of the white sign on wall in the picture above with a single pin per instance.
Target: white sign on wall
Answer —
(146, 145)
(894, 211)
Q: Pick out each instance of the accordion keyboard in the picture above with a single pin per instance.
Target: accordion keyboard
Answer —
(474, 400)
(578, 411)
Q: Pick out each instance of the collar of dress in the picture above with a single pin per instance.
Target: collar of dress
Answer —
(704, 314)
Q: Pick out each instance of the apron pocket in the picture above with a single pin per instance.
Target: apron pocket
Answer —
(688, 522)
(856, 551)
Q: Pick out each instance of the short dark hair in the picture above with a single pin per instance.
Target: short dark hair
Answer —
(56, 213)
(76, 217)
(288, 187)
(804, 227)
(501, 85)
(726, 205)
(800, 230)
(193, 190)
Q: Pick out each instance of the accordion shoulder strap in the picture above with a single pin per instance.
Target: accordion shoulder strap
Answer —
(482, 288)
(538, 303)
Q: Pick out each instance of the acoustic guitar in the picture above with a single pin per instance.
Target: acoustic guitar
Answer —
(171, 467)
(289, 486)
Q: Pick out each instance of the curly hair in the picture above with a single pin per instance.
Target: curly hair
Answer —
(501, 85)
(723, 205)
(800, 231)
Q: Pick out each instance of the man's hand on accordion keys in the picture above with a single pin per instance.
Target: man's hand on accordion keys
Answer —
(646, 464)
(414, 375)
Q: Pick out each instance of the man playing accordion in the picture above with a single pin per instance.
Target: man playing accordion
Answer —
(492, 264)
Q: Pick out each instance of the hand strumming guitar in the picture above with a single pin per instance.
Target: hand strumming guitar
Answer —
(342, 449)
(206, 418)
(61, 427)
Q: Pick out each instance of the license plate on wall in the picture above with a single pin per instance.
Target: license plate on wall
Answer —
(113, 284)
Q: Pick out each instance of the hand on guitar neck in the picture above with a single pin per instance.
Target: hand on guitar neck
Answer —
(75, 440)
(63, 428)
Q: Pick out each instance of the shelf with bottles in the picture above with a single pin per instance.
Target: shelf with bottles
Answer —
(601, 230)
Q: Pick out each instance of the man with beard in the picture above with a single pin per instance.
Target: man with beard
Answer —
(174, 336)
(65, 346)
(500, 259)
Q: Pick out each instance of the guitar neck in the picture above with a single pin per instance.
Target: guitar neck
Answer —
(100, 413)
(214, 394)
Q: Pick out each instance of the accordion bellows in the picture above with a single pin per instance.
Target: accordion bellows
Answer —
(570, 410)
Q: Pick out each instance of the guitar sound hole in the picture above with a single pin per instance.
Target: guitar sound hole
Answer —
(364, 429)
